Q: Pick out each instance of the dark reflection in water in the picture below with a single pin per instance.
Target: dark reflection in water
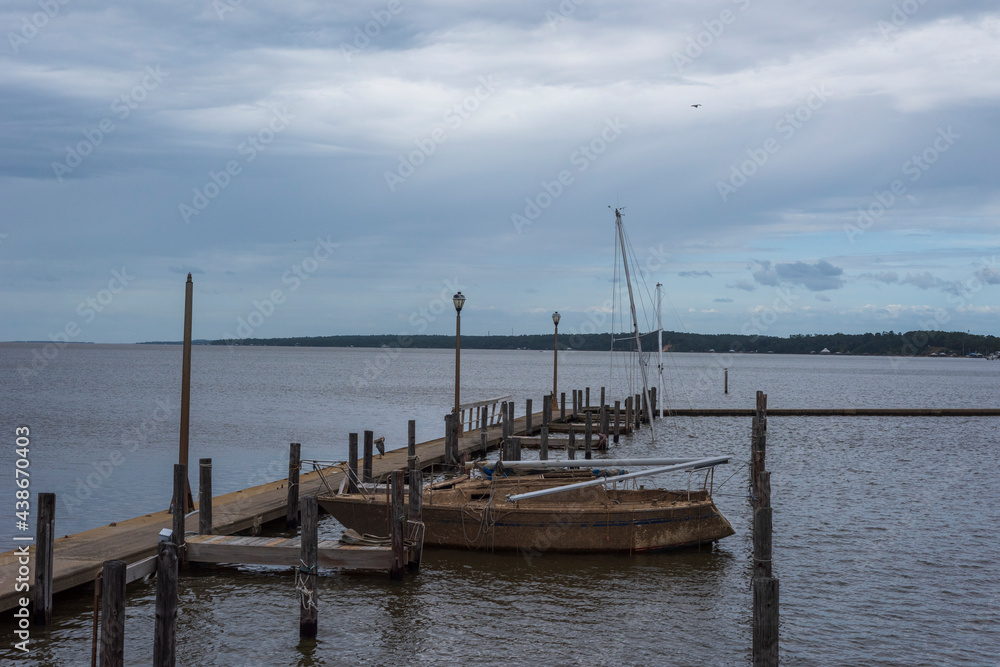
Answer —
(882, 536)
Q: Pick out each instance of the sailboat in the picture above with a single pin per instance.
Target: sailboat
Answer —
(564, 506)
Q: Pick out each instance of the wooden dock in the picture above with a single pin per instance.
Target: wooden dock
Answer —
(283, 551)
(78, 558)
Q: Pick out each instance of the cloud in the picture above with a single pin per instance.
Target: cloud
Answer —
(814, 277)
(822, 297)
(880, 277)
(723, 300)
(744, 285)
(922, 280)
(694, 274)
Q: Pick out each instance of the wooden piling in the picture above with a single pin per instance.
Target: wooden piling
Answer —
(576, 402)
(292, 510)
(527, 416)
(546, 410)
(307, 576)
(758, 441)
(454, 431)
(367, 476)
(586, 437)
(628, 414)
(352, 463)
(415, 516)
(637, 410)
(515, 448)
(762, 542)
(571, 445)
(113, 606)
(765, 622)
(543, 446)
(763, 489)
(653, 402)
(725, 381)
(204, 497)
(44, 539)
(180, 485)
(604, 420)
(411, 438)
(562, 406)
(618, 411)
(587, 403)
(397, 527)
(602, 398)
(165, 623)
(483, 442)
(185, 500)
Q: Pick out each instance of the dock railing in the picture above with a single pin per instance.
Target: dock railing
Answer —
(475, 414)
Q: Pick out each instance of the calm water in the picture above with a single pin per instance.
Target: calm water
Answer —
(883, 541)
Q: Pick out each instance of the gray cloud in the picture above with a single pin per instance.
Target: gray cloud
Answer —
(694, 274)
(723, 300)
(815, 277)
(880, 277)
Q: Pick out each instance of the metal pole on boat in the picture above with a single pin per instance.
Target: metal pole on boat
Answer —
(594, 463)
(691, 465)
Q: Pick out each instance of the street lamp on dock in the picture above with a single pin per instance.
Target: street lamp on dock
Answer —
(459, 301)
(555, 361)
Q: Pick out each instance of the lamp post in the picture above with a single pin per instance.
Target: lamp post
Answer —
(459, 302)
(555, 362)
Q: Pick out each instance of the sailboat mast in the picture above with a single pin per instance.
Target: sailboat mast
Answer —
(659, 344)
(635, 322)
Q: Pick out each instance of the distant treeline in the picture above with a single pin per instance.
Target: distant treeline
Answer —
(885, 343)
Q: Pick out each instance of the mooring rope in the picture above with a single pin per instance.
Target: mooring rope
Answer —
(306, 596)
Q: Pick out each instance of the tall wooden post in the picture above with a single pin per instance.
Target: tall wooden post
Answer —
(586, 438)
(765, 622)
(352, 463)
(762, 542)
(44, 539)
(113, 612)
(397, 527)
(510, 412)
(307, 579)
(725, 381)
(628, 414)
(546, 410)
(204, 496)
(180, 480)
(368, 477)
(562, 406)
(411, 442)
(587, 404)
(185, 499)
(515, 448)
(483, 441)
(415, 516)
(574, 403)
(292, 510)
(618, 418)
(653, 396)
(602, 397)
(165, 628)
(571, 445)
(543, 444)
(763, 496)
(527, 416)
(604, 420)
(758, 441)
(637, 410)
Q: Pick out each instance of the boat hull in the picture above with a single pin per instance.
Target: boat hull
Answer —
(545, 524)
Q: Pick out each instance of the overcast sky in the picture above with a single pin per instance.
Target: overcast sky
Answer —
(333, 168)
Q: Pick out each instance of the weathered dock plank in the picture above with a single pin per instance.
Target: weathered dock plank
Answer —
(283, 551)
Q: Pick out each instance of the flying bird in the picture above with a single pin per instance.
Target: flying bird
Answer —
(695, 105)
(380, 445)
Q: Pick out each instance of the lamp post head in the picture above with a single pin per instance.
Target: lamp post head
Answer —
(555, 318)
(459, 301)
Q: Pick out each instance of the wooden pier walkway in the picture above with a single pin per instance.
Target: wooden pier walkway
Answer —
(78, 558)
